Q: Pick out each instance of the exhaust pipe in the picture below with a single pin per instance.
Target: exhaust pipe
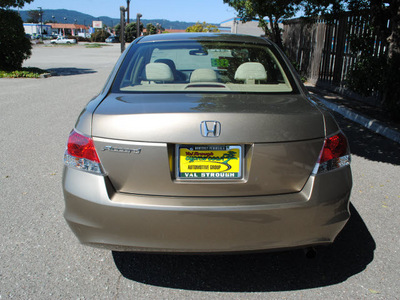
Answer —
(310, 252)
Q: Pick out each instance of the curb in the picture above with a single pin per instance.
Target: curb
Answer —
(371, 124)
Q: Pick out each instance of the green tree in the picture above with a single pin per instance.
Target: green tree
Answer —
(6, 4)
(326, 8)
(34, 16)
(151, 29)
(14, 46)
(202, 27)
(100, 35)
(117, 29)
(130, 31)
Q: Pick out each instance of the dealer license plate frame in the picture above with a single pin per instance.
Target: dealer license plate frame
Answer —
(211, 156)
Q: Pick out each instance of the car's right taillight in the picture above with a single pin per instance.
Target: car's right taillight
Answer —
(334, 154)
(81, 154)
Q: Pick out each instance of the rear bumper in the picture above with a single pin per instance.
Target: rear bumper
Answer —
(100, 217)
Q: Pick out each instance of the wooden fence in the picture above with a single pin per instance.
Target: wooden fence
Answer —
(322, 49)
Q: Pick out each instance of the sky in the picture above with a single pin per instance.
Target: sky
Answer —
(210, 11)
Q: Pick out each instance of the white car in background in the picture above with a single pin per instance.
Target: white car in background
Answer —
(63, 40)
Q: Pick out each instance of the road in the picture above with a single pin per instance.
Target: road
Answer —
(41, 258)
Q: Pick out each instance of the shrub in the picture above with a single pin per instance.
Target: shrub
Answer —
(130, 32)
(375, 74)
(14, 46)
(79, 38)
(100, 36)
(392, 96)
(23, 73)
(368, 75)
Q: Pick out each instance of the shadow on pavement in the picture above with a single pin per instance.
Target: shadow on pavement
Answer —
(368, 144)
(70, 71)
(261, 272)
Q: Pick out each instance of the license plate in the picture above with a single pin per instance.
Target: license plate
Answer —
(209, 162)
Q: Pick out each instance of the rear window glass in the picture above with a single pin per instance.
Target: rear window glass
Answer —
(202, 66)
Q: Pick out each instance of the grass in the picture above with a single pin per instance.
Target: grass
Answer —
(95, 45)
(23, 73)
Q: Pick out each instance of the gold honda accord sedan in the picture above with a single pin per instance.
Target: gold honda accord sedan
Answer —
(205, 143)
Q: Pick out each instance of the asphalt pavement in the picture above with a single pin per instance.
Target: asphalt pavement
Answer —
(42, 259)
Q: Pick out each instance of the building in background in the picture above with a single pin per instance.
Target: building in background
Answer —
(69, 29)
(59, 29)
(235, 25)
(34, 29)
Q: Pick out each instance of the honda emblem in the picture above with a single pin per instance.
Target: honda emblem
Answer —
(210, 128)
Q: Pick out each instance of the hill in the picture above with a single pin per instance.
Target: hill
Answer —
(59, 15)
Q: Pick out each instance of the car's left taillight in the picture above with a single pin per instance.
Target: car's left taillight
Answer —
(81, 154)
(335, 154)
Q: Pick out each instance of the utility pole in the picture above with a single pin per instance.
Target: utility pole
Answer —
(122, 34)
(138, 16)
(41, 23)
(84, 24)
(127, 9)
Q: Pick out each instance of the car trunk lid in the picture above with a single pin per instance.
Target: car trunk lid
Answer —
(136, 137)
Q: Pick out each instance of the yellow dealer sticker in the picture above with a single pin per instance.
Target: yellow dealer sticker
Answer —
(209, 162)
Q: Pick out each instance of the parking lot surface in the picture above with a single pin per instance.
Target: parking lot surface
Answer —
(41, 258)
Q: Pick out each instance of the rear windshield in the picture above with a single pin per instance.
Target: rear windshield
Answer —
(202, 66)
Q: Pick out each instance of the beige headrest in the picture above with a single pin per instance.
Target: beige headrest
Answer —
(203, 75)
(159, 72)
(251, 71)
